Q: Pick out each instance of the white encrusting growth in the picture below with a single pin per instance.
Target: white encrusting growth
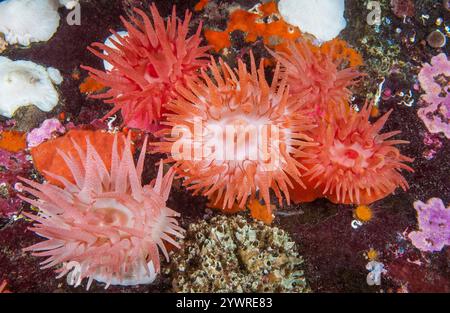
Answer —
(24, 83)
(69, 4)
(26, 21)
(322, 18)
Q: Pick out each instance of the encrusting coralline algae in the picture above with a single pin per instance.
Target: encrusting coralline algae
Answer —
(231, 254)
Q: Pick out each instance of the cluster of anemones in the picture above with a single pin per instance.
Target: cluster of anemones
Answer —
(352, 162)
(231, 135)
(102, 224)
(147, 64)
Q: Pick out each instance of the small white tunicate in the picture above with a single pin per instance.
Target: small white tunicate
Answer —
(376, 269)
(322, 18)
(26, 21)
(24, 83)
(55, 75)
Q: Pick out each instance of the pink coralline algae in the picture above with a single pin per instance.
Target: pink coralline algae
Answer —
(402, 8)
(433, 143)
(434, 225)
(45, 131)
(12, 165)
(434, 79)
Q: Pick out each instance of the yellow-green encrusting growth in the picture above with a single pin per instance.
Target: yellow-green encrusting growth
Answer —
(231, 254)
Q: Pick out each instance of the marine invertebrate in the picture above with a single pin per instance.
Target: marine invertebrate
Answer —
(26, 21)
(434, 225)
(231, 254)
(340, 52)
(372, 254)
(436, 39)
(434, 79)
(147, 66)
(322, 18)
(315, 78)
(106, 226)
(235, 135)
(47, 129)
(47, 159)
(376, 269)
(363, 213)
(263, 21)
(25, 83)
(353, 162)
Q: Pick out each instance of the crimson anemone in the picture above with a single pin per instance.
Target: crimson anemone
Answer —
(316, 79)
(106, 226)
(147, 64)
(234, 135)
(353, 163)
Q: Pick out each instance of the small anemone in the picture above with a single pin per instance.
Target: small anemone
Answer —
(353, 162)
(147, 64)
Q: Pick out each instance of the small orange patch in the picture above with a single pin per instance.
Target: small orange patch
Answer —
(47, 159)
(62, 116)
(218, 39)
(12, 141)
(372, 254)
(261, 212)
(363, 213)
(266, 23)
(375, 112)
(201, 5)
(90, 85)
(341, 51)
(257, 210)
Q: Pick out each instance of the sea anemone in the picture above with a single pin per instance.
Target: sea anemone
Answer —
(105, 226)
(148, 63)
(353, 163)
(363, 213)
(245, 134)
(316, 79)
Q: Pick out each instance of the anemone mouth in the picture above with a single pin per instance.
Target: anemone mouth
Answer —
(110, 212)
(350, 155)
